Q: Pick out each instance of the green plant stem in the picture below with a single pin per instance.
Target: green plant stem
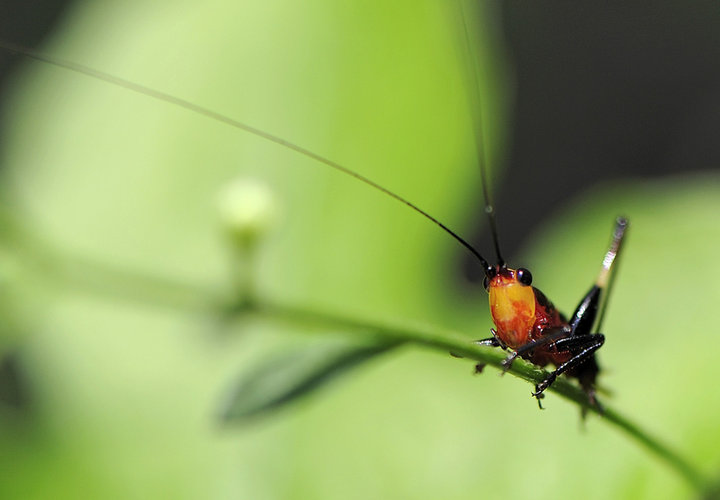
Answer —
(459, 345)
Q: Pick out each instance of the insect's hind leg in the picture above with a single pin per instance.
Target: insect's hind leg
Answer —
(591, 309)
(582, 348)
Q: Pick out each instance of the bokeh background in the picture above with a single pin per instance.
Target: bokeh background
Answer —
(115, 362)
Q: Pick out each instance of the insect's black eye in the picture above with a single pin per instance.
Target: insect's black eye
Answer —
(524, 276)
(490, 273)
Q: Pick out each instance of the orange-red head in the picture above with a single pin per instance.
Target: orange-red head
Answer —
(512, 304)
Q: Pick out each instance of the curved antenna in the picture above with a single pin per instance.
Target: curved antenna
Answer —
(218, 117)
(478, 138)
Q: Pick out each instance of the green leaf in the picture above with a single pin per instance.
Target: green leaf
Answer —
(293, 375)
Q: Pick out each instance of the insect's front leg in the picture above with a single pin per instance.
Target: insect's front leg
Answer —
(493, 341)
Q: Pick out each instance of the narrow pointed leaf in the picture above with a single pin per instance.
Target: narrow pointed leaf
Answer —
(276, 382)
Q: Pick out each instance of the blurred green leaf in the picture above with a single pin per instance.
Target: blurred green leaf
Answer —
(123, 390)
(293, 375)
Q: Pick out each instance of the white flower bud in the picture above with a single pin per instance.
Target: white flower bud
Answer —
(247, 209)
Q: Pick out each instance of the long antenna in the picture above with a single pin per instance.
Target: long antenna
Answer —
(476, 113)
(218, 117)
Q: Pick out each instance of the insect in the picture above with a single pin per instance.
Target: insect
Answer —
(530, 326)
(526, 322)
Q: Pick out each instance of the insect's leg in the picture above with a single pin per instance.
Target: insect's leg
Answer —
(608, 272)
(586, 312)
(584, 316)
(493, 341)
(582, 348)
(592, 399)
(553, 335)
(586, 374)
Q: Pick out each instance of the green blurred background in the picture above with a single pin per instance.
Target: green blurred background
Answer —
(113, 383)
